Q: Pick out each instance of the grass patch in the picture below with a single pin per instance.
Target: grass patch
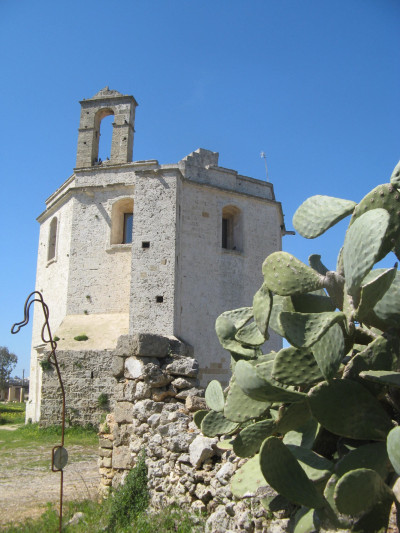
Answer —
(33, 435)
(12, 413)
(96, 518)
(82, 337)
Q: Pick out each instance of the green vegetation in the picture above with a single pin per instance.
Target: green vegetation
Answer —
(12, 413)
(319, 419)
(32, 435)
(8, 361)
(96, 518)
(45, 364)
(102, 400)
(56, 339)
(132, 498)
(81, 337)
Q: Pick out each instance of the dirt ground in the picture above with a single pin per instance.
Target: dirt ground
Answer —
(27, 482)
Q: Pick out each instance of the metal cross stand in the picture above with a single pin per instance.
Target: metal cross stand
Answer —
(59, 455)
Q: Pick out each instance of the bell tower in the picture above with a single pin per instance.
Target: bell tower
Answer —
(106, 102)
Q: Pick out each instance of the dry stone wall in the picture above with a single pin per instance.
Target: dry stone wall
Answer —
(156, 396)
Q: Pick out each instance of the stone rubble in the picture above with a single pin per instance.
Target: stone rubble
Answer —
(155, 400)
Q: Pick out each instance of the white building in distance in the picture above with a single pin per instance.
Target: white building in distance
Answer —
(131, 247)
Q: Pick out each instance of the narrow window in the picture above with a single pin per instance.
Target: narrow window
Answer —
(225, 223)
(128, 226)
(122, 221)
(51, 249)
(232, 230)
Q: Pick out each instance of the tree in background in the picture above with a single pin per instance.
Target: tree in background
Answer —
(7, 364)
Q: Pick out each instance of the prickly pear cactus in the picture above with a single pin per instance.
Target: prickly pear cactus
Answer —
(319, 420)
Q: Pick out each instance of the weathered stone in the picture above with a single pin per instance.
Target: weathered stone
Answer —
(183, 366)
(142, 391)
(189, 392)
(122, 457)
(159, 395)
(135, 367)
(105, 452)
(201, 449)
(195, 403)
(123, 412)
(155, 377)
(145, 408)
(143, 344)
(125, 391)
(105, 443)
(117, 366)
(225, 473)
(178, 347)
(154, 420)
(185, 383)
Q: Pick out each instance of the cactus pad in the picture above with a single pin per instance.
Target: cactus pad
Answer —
(296, 366)
(383, 377)
(329, 351)
(312, 302)
(395, 177)
(262, 306)
(239, 317)
(393, 448)
(372, 456)
(362, 246)
(248, 478)
(239, 407)
(319, 213)
(250, 335)
(260, 389)
(304, 435)
(346, 408)
(214, 396)
(359, 490)
(282, 471)
(387, 197)
(280, 303)
(372, 291)
(315, 466)
(315, 262)
(198, 417)
(305, 329)
(285, 275)
(293, 417)
(214, 424)
(226, 327)
(388, 308)
(249, 440)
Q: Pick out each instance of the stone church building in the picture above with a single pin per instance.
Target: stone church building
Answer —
(129, 247)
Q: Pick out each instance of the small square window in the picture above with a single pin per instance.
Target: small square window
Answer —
(145, 244)
(159, 299)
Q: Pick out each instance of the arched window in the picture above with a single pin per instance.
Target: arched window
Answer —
(232, 231)
(122, 221)
(52, 242)
(102, 150)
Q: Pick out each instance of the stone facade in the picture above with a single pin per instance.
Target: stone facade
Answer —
(200, 233)
(156, 395)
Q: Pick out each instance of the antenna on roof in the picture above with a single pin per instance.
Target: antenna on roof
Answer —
(263, 156)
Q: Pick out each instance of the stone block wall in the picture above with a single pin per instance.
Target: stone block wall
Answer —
(86, 375)
(156, 396)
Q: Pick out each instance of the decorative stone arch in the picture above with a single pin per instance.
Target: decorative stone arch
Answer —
(232, 228)
(122, 221)
(52, 241)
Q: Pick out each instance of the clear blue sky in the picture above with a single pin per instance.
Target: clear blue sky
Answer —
(315, 84)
